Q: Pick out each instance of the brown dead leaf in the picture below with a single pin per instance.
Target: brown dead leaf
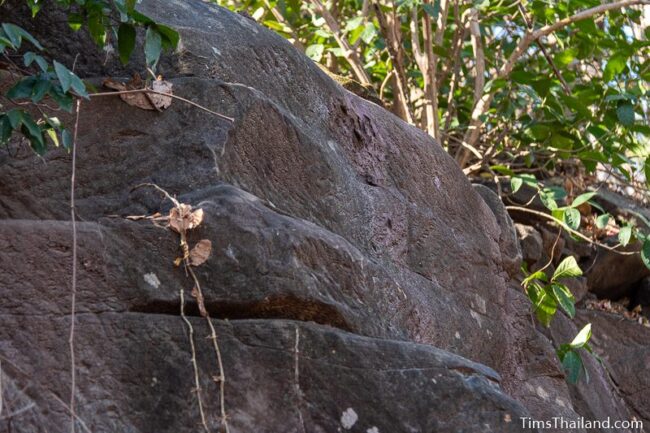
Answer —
(180, 218)
(178, 261)
(143, 100)
(196, 218)
(160, 101)
(200, 253)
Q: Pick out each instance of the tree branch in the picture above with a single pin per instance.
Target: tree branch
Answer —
(482, 105)
(390, 29)
(349, 53)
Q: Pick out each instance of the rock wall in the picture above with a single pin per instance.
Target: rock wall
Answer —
(357, 280)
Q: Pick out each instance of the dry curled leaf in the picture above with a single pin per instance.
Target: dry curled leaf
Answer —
(181, 218)
(143, 100)
(178, 261)
(200, 253)
(161, 101)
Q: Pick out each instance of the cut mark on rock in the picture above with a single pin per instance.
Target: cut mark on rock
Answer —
(273, 307)
(349, 418)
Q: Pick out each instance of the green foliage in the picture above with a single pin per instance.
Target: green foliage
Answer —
(58, 83)
(547, 294)
(570, 355)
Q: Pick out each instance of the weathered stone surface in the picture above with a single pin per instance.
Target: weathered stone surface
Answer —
(281, 376)
(623, 346)
(613, 276)
(641, 296)
(508, 242)
(532, 245)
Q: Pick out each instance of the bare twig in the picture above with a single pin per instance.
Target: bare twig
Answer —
(187, 101)
(73, 301)
(204, 312)
(18, 411)
(195, 367)
(1, 393)
(479, 56)
(570, 230)
(549, 60)
(390, 28)
(213, 336)
(296, 378)
(348, 51)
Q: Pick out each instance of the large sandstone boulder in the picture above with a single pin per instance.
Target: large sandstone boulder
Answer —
(351, 257)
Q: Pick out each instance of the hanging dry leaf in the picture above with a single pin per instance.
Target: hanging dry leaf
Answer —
(180, 218)
(178, 261)
(160, 101)
(200, 253)
(143, 100)
(196, 218)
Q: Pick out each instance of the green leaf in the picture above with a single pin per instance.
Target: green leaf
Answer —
(583, 198)
(353, 24)
(96, 28)
(547, 199)
(565, 298)
(539, 275)
(52, 134)
(582, 337)
(517, 181)
(22, 89)
(645, 252)
(66, 138)
(624, 235)
(572, 218)
(40, 90)
(63, 99)
(503, 170)
(625, 113)
(152, 46)
(5, 129)
(69, 80)
(572, 364)
(33, 132)
(140, 18)
(368, 33)
(64, 76)
(567, 268)
(315, 52)
(544, 305)
(125, 41)
(15, 117)
(433, 10)
(16, 34)
(170, 37)
(563, 58)
(75, 21)
(29, 57)
(615, 66)
(602, 220)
